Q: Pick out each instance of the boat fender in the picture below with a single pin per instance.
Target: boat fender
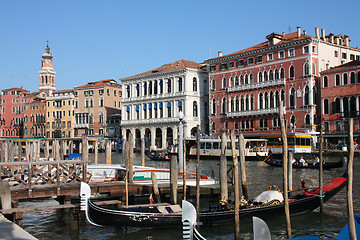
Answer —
(268, 196)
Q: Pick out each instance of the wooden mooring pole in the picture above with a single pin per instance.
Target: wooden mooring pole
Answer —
(321, 169)
(173, 179)
(142, 152)
(242, 166)
(96, 151)
(223, 170)
(290, 172)
(350, 206)
(108, 152)
(184, 172)
(131, 158)
(285, 169)
(236, 186)
(155, 188)
(197, 172)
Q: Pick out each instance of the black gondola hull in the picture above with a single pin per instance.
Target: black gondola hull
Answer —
(328, 165)
(142, 217)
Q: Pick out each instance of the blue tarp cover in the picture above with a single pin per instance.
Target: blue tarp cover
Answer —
(344, 234)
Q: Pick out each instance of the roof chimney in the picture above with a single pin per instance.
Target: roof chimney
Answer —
(220, 53)
(304, 32)
(323, 33)
(347, 40)
(298, 32)
(331, 39)
(317, 32)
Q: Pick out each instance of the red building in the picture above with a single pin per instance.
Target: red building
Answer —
(12, 108)
(35, 118)
(340, 97)
(246, 86)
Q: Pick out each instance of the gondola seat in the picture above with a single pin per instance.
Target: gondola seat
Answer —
(336, 182)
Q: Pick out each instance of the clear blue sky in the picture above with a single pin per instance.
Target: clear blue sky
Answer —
(96, 40)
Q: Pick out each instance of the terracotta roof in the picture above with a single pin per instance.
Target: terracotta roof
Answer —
(15, 89)
(180, 64)
(99, 84)
(285, 39)
(64, 91)
(343, 66)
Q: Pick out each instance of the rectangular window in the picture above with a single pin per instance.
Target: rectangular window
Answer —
(336, 54)
(306, 49)
(281, 54)
(212, 68)
(240, 63)
(313, 49)
(344, 55)
(250, 61)
(291, 52)
(352, 57)
(223, 66)
(258, 59)
(270, 57)
(230, 64)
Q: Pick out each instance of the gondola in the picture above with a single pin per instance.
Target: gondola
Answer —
(327, 165)
(170, 215)
(159, 158)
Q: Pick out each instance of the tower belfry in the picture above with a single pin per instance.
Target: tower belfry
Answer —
(47, 73)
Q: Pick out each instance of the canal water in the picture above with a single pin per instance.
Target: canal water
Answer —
(54, 224)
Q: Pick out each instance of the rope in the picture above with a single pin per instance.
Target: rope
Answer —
(319, 196)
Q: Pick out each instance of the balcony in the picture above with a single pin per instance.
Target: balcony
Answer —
(81, 125)
(256, 112)
(160, 96)
(257, 85)
(152, 121)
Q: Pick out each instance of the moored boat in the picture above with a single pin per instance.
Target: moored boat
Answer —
(326, 165)
(169, 216)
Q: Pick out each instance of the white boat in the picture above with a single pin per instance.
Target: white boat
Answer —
(210, 148)
(142, 175)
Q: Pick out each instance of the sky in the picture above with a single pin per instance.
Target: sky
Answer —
(113, 39)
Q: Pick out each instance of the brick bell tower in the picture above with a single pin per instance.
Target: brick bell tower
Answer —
(47, 73)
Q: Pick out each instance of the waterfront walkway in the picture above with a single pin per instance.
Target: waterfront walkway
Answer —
(11, 231)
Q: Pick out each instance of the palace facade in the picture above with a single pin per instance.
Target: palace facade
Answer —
(246, 86)
(152, 101)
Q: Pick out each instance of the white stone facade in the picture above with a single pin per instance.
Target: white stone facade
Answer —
(151, 103)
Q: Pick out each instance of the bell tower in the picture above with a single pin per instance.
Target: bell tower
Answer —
(47, 73)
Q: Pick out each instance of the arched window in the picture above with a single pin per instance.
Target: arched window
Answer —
(242, 103)
(346, 106)
(236, 81)
(128, 91)
(155, 87)
(236, 125)
(352, 78)
(195, 86)
(326, 106)
(282, 97)
(260, 78)
(145, 88)
(247, 103)
(277, 75)
(314, 95)
(246, 79)
(293, 121)
(282, 73)
(241, 80)
(271, 99)
(306, 96)
(169, 85)
(232, 106)
(337, 107)
(306, 69)
(313, 69)
(251, 78)
(265, 76)
(252, 102)
(345, 78)
(353, 111)
(213, 127)
(161, 86)
(231, 81)
(277, 99)
(292, 72)
(180, 85)
(237, 104)
(224, 83)
(261, 123)
(213, 85)
(325, 82)
(195, 109)
(261, 101)
(266, 100)
(292, 97)
(137, 90)
(223, 106)
(337, 80)
(150, 88)
(226, 125)
(307, 120)
(266, 123)
(271, 75)
(169, 109)
(213, 106)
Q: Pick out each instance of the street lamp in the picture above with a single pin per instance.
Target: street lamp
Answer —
(181, 136)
